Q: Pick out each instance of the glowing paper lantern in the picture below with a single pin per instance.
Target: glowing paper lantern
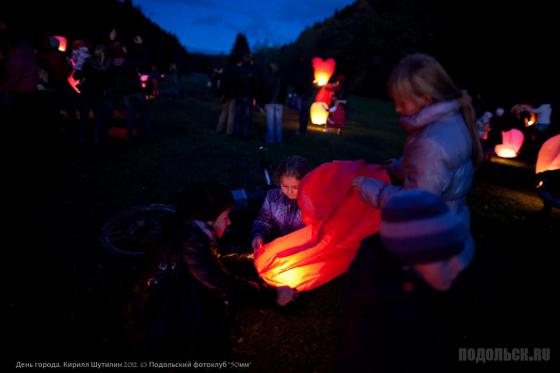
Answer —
(62, 43)
(319, 113)
(144, 78)
(336, 219)
(511, 143)
(323, 70)
(549, 155)
(531, 120)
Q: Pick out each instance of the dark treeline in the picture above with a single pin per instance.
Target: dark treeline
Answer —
(505, 53)
(92, 20)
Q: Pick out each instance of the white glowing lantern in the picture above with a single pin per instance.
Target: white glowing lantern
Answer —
(549, 155)
(319, 113)
(511, 143)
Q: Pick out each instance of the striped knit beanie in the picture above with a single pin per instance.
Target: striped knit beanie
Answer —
(418, 227)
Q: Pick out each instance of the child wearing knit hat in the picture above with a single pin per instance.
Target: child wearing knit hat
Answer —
(419, 230)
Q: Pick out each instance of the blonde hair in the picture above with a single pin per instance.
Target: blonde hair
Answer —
(419, 75)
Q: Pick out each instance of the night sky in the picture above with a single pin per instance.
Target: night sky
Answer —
(210, 26)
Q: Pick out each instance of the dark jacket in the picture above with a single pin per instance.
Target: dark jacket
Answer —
(274, 89)
(95, 76)
(21, 71)
(188, 315)
(124, 78)
(245, 83)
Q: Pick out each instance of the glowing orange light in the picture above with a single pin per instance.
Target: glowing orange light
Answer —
(323, 70)
(62, 43)
(531, 120)
(511, 143)
(319, 113)
(549, 155)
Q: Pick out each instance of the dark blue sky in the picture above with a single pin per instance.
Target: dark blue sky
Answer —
(210, 26)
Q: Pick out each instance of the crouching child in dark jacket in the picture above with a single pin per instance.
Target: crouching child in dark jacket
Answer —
(180, 305)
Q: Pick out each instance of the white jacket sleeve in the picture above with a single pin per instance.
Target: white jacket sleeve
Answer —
(424, 169)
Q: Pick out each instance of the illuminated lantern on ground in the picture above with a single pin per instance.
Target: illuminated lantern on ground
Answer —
(512, 141)
(319, 113)
(62, 43)
(323, 70)
(549, 155)
(144, 79)
(336, 220)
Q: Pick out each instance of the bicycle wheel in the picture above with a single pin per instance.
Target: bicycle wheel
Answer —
(136, 230)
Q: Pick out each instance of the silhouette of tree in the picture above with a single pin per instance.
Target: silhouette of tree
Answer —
(240, 46)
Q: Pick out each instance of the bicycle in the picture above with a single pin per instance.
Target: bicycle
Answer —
(136, 230)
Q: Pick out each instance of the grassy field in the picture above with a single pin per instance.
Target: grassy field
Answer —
(73, 300)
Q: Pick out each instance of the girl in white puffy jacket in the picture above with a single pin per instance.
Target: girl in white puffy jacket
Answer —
(439, 155)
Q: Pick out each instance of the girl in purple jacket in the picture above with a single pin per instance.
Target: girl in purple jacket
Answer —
(280, 213)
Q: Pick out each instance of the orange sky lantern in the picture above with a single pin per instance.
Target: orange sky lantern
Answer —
(335, 224)
(319, 113)
(512, 141)
(323, 70)
(62, 43)
(549, 155)
(144, 79)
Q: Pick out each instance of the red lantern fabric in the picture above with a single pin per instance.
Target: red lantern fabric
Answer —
(324, 95)
(336, 219)
(549, 155)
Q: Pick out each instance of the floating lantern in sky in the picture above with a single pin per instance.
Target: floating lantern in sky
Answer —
(549, 155)
(512, 141)
(319, 113)
(62, 43)
(323, 70)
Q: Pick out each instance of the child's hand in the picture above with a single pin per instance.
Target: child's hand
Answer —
(257, 243)
(285, 295)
